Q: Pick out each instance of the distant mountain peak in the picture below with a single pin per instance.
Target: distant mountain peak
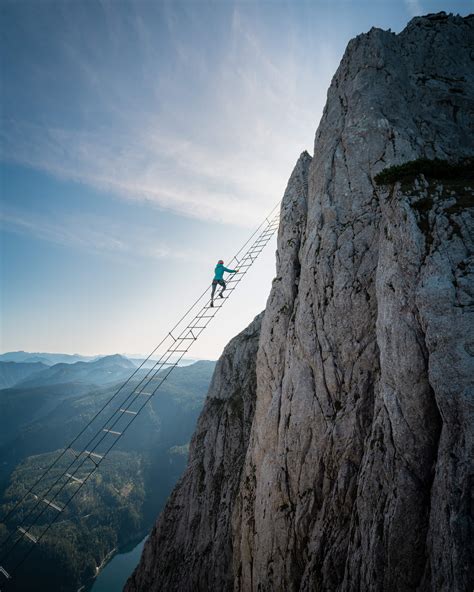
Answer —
(114, 359)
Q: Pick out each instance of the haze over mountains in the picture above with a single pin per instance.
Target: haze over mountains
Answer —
(13, 372)
(50, 359)
(45, 358)
(101, 371)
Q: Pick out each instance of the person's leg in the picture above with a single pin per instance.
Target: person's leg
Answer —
(213, 291)
(222, 283)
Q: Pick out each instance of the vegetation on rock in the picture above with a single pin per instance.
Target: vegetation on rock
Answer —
(431, 168)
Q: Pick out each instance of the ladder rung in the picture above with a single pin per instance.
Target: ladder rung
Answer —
(28, 535)
(113, 432)
(92, 454)
(74, 478)
(52, 505)
(191, 338)
(5, 573)
(140, 393)
(160, 366)
(128, 411)
(196, 327)
(178, 351)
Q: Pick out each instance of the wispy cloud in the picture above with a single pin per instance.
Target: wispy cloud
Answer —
(86, 232)
(166, 171)
(414, 7)
(213, 139)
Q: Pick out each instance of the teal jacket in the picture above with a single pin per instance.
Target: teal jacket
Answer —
(219, 271)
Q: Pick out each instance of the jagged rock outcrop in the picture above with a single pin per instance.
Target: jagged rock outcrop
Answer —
(358, 471)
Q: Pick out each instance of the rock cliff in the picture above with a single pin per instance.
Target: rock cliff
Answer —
(348, 465)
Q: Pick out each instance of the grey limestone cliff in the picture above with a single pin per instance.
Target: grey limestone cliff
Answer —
(355, 472)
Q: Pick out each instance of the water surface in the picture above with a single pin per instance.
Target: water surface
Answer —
(114, 575)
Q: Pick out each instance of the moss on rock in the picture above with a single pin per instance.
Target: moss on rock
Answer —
(435, 169)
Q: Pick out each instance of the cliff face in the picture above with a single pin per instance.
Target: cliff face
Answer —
(358, 460)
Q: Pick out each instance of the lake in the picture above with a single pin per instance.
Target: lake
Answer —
(114, 575)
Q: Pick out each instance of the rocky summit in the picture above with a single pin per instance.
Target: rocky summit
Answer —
(335, 449)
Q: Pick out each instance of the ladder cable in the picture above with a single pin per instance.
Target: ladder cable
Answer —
(181, 337)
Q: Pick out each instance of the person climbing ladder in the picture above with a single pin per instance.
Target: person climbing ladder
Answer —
(218, 279)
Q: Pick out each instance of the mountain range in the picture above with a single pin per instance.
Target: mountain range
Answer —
(44, 409)
(13, 372)
(100, 371)
(45, 358)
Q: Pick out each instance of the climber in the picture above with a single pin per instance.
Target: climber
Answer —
(218, 275)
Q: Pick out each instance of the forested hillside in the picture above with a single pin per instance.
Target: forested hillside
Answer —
(118, 504)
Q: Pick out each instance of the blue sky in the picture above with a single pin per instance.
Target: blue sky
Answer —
(142, 141)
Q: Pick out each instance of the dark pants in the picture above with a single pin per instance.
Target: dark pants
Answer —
(214, 286)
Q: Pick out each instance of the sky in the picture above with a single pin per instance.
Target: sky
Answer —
(143, 140)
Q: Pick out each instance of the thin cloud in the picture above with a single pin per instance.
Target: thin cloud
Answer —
(168, 172)
(414, 7)
(85, 232)
(213, 139)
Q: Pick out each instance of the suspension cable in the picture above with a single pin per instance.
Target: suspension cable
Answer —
(180, 345)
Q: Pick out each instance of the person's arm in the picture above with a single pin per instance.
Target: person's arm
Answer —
(231, 270)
